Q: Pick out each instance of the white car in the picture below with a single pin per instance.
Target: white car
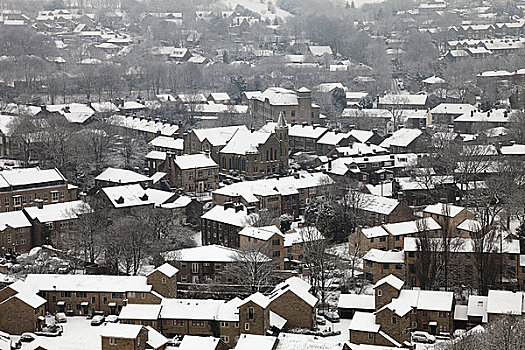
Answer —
(97, 320)
(61, 317)
(112, 318)
(27, 337)
(423, 337)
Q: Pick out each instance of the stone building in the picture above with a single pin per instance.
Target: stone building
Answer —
(117, 336)
(193, 173)
(15, 233)
(297, 107)
(209, 141)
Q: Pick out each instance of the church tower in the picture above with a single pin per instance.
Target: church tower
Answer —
(281, 132)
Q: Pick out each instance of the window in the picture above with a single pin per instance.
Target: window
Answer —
(276, 242)
(246, 326)
(225, 339)
(178, 322)
(143, 296)
(197, 323)
(394, 320)
(54, 196)
(81, 294)
(236, 324)
(399, 266)
(9, 238)
(183, 266)
(250, 313)
(49, 226)
(194, 267)
(93, 300)
(217, 266)
(17, 201)
(183, 278)
(163, 280)
(131, 294)
(379, 293)
(411, 254)
(397, 238)
(382, 239)
(113, 341)
(386, 266)
(117, 295)
(276, 254)
(224, 324)
(370, 335)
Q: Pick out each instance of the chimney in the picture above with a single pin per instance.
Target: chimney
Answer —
(374, 130)
(228, 205)
(238, 208)
(443, 200)
(39, 203)
(120, 200)
(144, 197)
(304, 124)
(82, 196)
(400, 196)
(472, 113)
(505, 114)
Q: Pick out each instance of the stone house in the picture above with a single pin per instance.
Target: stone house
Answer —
(222, 224)
(407, 140)
(193, 173)
(269, 236)
(118, 177)
(378, 264)
(141, 314)
(20, 188)
(15, 233)
(378, 210)
(448, 215)
(209, 141)
(22, 312)
(117, 336)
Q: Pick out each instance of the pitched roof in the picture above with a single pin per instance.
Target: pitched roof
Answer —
(123, 176)
(245, 141)
(391, 280)
(13, 219)
(261, 233)
(140, 312)
(218, 136)
(256, 342)
(401, 138)
(477, 307)
(505, 302)
(377, 204)
(120, 330)
(356, 301)
(166, 269)
(135, 195)
(58, 211)
(207, 253)
(410, 227)
(384, 257)
(191, 161)
(364, 322)
(88, 283)
(192, 342)
(446, 209)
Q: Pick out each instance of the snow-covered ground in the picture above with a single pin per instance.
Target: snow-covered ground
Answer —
(260, 7)
(78, 335)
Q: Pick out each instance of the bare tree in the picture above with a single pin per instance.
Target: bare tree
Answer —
(252, 269)
(428, 259)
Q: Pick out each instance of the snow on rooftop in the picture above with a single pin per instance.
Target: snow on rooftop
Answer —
(192, 161)
(411, 227)
(135, 195)
(477, 306)
(333, 138)
(391, 280)
(435, 300)
(470, 225)
(385, 257)
(277, 321)
(460, 313)
(218, 136)
(167, 269)
(377, 204)
(364, 322)
(13, 219)
(200, 309)
(58, 211)
(207, 253)
(404, 99)
(401, 138)
(140, 312)
(444, 209)
(301, 235)
(306, 131)
(169, 143)
(493, 116)
(505, 302)
(28, 176)
(277, 96)
(230, 216)
(123, 176)
(243, 141)
(88, 283)
(155, 339)
(193, 342)
(261, 233)
(356, 301)
(120, 330)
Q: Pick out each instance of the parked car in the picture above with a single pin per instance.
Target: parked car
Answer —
(112, 318)
(332, 316)
(97, 320)
(320, 321)
(61, 317)
(27, 337)
(423, 337)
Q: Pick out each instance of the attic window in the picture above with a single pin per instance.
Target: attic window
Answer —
(480, 303)
(144, 197)
(120, 200)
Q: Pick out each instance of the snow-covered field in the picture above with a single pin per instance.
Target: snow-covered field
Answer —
(260, 7)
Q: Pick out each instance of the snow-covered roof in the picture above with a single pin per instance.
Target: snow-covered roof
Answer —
(13, 219)
(248, 190)
(505, 302)
(391, 280)
(120, 330)
(445, 209)
(200, 309)
(333, 138)
(218, 136)
(88, 283)
(245, 141)
(289, 341)
(513, 150)
(192, 342)
(434, 80)
(207, 253)
(356, 95)
(401, 138)
(377, 204)
(364, 322)
(58, 211)
(453, 108)
(28, 298)
(460, 313)
(277, 321)
(169, 143)
(135, 195)
(434, 300)
(493, 116)
(403, 99)
(228, 216)
(256, 342)
(277, 96)
(367, 113)
(383, 189)
(320, 50)
(301, 235)
(5, 124)
(157, 155)
(140, 312)
(356, 301)
(411, 227)
(180, 202)
(477, 306)
(258, 299)
(192, 161)
(470, 225)
(297, 287)
(74, 112)
(373, 232)
(29, 176)
(144, 125)
(261, 233)
(468, 245)
(166, 269)
(155, 339)
(385, 257)
(306, 131)
(220, 96)
(122, 176)
(104, 107)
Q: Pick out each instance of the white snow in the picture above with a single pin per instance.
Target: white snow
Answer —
(194, 161)
(123, 176)
(391, 280)
(140, 312)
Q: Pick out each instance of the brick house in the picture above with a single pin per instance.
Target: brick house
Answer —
(210, 140)
(198, 264)
(378, 264)
(15, 233)
(222, 224)
(118, 177)
(164, 278)
(407, 141)
(381, 210)
(22, 312)
(296, 106)
(447, 214)
(295, 241)
(193, 173)
(117, 336)
(257, 154)
(269, 236)
(283, 195)
(141, 314)
(50, 222)
(83, 294)
(20, 188)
